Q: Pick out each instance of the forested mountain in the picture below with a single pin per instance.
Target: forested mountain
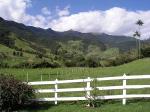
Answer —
(24, 45)
(48, 37)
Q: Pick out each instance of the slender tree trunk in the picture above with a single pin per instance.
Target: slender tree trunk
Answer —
(139, 49)
(139, 41)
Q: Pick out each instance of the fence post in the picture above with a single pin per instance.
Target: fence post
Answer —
(49, 76)
(41, 77)
(27, 77)
(124, 89)
(88, 87)
(56, 87)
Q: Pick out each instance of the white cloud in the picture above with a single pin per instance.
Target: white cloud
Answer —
(13, 9)
(16, 10)
(118, 21)
(45, 11)
(63, 12)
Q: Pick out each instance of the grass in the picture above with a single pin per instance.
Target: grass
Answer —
(5, 49)
(138, 67)
(142, 106)
(12, 60)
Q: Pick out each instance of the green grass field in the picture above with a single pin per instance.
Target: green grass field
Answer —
(79, 107)
(139, 67)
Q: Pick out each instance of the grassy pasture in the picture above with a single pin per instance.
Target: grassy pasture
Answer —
(79, 107)
(138, 67)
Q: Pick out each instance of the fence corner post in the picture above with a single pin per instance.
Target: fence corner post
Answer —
(88, 87)
(124, 89)
(56, 87)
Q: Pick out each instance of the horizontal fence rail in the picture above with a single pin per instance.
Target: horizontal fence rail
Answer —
(124, 87)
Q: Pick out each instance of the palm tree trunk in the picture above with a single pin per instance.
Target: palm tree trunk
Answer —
(139, 42)
(139, 49)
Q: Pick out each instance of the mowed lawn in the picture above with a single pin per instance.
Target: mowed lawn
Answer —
(138, 67)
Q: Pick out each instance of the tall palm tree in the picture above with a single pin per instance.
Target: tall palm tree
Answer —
(136, 36)
(139, 23)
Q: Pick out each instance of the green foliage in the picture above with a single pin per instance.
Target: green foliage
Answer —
(5, 40)
(93, 56)
(13, 93)
(145, 52)
(41, 64)
(92, 99)
(70, 53)
(111, 53)
(3, 64)
(18, 53)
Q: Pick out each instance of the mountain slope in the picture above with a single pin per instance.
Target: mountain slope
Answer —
(28, 45)
(49, 38)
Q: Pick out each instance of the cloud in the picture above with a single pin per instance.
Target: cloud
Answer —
(63, 12)
(115, 21)
(16, 10)
(45, 11)
(13, 9)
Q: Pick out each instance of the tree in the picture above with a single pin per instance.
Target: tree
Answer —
(70, 53)
(93, 56)
(137, 34)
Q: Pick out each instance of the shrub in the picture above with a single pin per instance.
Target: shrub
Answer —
(42, 64)
(92, 62)
(13, 93)
(46, 64)
(146, 52)
(92, 99)
(3, 64)
(106, 63)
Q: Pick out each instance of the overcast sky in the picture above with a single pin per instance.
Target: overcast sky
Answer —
(115, 17)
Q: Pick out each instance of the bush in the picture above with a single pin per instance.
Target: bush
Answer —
(145, 52)
(3, 64)
(45, 64)
(42, 64)
(106, 63)
(92, 99)
(92, 62)
(13, 93)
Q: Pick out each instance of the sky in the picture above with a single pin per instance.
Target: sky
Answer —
(115, 17)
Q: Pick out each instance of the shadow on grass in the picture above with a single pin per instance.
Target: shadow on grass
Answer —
(138, 100)
(42, 106)
(36, 106)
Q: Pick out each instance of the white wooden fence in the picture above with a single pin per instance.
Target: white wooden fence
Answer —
(88, 88)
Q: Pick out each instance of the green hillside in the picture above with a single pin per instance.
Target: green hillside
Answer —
(21, 51)
(17, 52)
(24, 46)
